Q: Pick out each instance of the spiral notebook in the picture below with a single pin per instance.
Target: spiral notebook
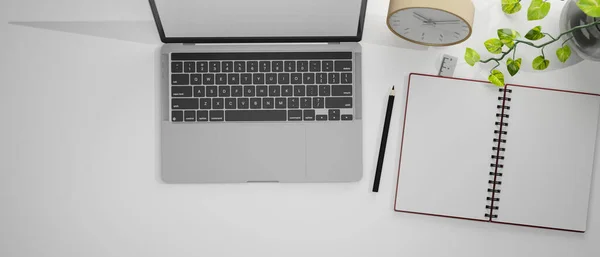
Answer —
(516, 155)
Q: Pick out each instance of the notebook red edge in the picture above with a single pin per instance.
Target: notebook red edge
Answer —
(396, 209)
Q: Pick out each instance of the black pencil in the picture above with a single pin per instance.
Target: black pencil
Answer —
(384, 136)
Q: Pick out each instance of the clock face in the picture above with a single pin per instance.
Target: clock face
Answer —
(429, 26)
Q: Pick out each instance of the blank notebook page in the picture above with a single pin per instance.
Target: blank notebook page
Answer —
(447, 146)
(549, 158)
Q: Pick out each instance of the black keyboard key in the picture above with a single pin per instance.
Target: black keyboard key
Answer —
(271, 78)
(237, 91)
(286, 91)
(265, 66)
(252, 66)
(334, 78)
(312, 90)
(249, 91)
(189, 67)
(246, 78)
(205, 103)
(290, 66)
(256, 115)
(293, 102)
(346, 78)
(308, 78)
(177, 116)
(268, 103)
(343, 65)
(255, 103)
(305, 102)
(274, 91)
(208, 79)
(224, 91)
(202, 116)
(180, 79)
(176, 67)
(243, 103)
(324, 90)
(302, 66)
(196, 79)
(216, 116)
(280, 103)
(218, 103)
(189, 115)
(341, 90)
(327, 65)
(227, 66)
(299, 90)
(321, 78)
(239, 66)
(233, 79)
(296, 78)
(321, 117)
(309, 115)
(181, 91)
(230, 103)
(261, 90)
(212, 91)
(221, 79)
(318, 102)
(338, 102)
(202, 66)
(258, 78)
(199, 91)
(184, 103)
(283, 78)
(214, 66)
(346, 117)
(334, 114)
(277, 66)
(294, 115)
(315, 66)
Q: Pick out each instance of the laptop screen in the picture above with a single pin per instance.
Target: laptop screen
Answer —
(259, 18)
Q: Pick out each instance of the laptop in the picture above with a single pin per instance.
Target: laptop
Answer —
(260, 91)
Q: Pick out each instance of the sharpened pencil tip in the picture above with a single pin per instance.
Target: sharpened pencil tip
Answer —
(393, 87)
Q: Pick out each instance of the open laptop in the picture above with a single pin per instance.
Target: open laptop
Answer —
(261, 90)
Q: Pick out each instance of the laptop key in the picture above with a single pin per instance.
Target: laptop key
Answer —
(346, 117)
(271, 78)
(293, 102)
(341, 90)
(176, 67)
(233, 79)
(181, 91)
(236, 91)
(227, 66)
(252, 66)
(216, 116)
(208, 79)
(283, 78)
(180, 79)
(196, 79)
(343, 65)
(177, 116)
(302, 66)
(221, 79)
(268, 103)
(324, 90)
(255, 103)
(264, 66)
(296, 78)
(280, 103)
(346, 78)
(199, 91)
(202, 67)
(318, 102)
(261, 90)
(230, 103)
(224, 91)
(246, 78)
(249, 90)
(286, 91)
(277, 66)
(214, 67)
(243, 103)
(274, 90)
(189, 67)
(290, 66)
(211, 91)
(308, 78)
(205, 103)
(299, 90)
(315, 66)
(217, 103)
(312, 90)
(239, 66)
(334, 78)
(189, 115)
(321, 117)
(184, 103)
(327, 65)
(321, 78)
(202, 116)
(255, 115)
(305, 103)
(309, 115)
(338, 102)
(334, 114)
(294, 115)
(258, 78)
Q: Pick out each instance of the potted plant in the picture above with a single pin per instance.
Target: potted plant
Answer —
(580, 31)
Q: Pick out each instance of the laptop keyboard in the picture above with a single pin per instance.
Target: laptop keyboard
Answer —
(246, 87)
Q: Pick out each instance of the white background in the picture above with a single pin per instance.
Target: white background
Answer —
(79, 159)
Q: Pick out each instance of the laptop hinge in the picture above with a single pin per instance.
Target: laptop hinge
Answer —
(334, 43)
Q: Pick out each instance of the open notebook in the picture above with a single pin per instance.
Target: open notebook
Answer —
(514, 155)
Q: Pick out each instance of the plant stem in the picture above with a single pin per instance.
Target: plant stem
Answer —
(539, 46)
(549, 36)
(543, 55)
(514, 52)
(563, 44)
(497, 64)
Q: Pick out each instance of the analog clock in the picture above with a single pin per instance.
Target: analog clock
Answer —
(431, 22)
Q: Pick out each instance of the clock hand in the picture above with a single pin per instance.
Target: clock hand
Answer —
(421, 17)
(447, 22)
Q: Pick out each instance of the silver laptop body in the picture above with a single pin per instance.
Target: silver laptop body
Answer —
(253, 135)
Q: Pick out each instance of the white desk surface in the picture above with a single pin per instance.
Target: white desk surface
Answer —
(79, 158)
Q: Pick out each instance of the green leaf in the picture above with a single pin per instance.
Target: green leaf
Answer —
(540, 63)
(590, 7)
(494, 46)
(513, 66)
(511, 6)
(538, 10)
(471, 56)
(508, 36)
(497, 78)
(563, 53)
(535, 34)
